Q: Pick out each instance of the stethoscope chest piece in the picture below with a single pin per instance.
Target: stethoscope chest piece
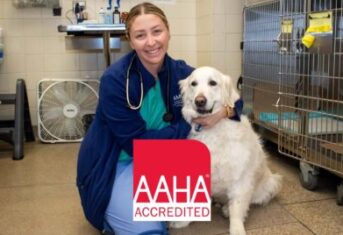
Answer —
(168, 117)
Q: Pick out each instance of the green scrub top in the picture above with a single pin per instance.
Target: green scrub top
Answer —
(152, 111)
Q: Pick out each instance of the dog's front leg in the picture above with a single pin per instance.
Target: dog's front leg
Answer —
(238, 209)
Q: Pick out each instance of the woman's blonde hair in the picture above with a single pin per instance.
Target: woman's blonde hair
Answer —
(141, 9)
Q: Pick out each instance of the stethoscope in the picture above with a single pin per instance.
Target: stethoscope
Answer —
(168, 116)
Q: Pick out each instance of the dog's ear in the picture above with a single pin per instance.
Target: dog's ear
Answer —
(183, 85)
(230, 93)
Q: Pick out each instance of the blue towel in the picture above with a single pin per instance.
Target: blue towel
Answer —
(273, 117)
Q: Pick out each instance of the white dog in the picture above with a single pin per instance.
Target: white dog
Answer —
(240, 175)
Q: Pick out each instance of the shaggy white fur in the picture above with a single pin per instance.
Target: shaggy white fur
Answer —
(240, 175)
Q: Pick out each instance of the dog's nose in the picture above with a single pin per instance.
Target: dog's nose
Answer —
(200, 101)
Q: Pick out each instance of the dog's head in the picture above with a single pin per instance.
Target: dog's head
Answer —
(206, 90)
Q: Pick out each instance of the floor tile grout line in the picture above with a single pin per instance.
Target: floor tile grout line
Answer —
(278, 225)
(309, 201)
(306, 227)
(296, 218)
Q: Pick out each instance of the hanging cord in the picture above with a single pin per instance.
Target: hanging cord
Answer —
(67, 16)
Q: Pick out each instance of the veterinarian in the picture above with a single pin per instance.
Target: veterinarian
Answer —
(139, 98)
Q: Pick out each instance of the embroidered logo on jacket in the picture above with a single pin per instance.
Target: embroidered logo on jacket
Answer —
(177, 100)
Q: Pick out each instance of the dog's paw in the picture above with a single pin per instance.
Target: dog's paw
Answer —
(237, 228)
(178, 224)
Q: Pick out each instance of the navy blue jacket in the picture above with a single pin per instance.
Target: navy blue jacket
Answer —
(116, 125)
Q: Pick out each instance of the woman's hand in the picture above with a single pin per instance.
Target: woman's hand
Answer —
(211, 120)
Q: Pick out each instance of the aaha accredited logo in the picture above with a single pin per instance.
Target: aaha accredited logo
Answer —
(171, 181)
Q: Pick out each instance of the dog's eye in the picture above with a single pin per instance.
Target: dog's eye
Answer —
(213, 83)
(194, 83)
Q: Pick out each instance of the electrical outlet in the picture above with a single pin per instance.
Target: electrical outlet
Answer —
(57, 11)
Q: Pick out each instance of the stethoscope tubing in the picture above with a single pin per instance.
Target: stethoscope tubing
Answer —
(131, 106)
(168, 116)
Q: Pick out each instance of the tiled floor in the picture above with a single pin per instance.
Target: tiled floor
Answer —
(38, 197)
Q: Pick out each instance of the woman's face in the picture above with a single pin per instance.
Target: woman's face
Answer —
(149, 36)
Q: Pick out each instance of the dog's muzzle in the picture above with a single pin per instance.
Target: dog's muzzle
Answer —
(200, 103)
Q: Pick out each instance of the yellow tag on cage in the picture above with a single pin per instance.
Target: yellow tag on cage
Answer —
(320, 22)
(286, 26)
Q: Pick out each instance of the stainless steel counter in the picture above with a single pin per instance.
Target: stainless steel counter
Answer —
(94, 36)
(92, 28)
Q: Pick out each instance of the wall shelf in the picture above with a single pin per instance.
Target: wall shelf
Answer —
(94, 36)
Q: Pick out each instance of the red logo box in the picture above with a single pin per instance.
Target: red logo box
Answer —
(172, 181)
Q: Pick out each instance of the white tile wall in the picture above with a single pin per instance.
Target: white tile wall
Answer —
(234, 23)
(204, 7)
(220, 24)
(204, 24)
(33, 63)
(205, 42)
(182, 43)
(233, 41)
(181, 10)
(233, 60)
(1, 10)
(183, 26)
(202, 33)
(13, 63)
(14, 45)
(10, 81)
(219, 42)
(53, 44)
(219, 35)
(13, 28)
(61, 62)
(204, 58)
(220, 60)
(88, 61)
(31, 80)
(33, 45)
(234, 7)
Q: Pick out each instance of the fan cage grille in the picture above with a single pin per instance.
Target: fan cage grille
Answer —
(61, 105)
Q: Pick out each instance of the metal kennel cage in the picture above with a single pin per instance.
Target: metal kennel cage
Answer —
(293, 81)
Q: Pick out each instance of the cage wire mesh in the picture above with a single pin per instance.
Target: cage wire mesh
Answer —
(293, 77)
(261, 59)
